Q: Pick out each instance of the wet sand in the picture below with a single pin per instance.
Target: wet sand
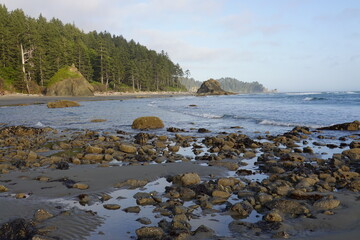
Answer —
(24, 99)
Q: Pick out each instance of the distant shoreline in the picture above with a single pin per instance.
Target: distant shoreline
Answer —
(17, 99)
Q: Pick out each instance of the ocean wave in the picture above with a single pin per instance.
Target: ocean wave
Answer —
(205, 115)
(313, 98)
(39, 124)
(302, 93)
(286, 124)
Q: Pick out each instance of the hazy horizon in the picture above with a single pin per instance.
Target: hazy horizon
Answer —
(289, 45)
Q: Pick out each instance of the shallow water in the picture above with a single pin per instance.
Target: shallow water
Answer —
(276, 113)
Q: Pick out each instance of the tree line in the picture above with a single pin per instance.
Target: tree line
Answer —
(32, 50)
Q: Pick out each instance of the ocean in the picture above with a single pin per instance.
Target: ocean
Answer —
(253, 113)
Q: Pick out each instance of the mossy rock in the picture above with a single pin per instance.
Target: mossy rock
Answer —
(62, 104)
(147, 123)
(68, 81)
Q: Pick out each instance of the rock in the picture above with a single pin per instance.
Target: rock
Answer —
(231, 166)
(273, 216)
(211, 87)
(189, 179)
(111, 206)
(350, 126)
(203, 130)
(327, 204)
(221, 194)
(293, 157)
(175, 148)
(281, 235)
(62, 104)
(352, 154)
(203, 229)
(147, 123)
(127, 148)
(146, 201)
(84, 199)
(32, 156)
(306, 182)
(290, 207)
(81, 186)
(142, 138)
(154, 233)
(244, 172)
(354, 185)
(105, 197)
(68, 81)
(132, 183)
(187, 194)
(227, 182)
(42, 215)
(355, 144)
(135, 209)
(93, 157)
(98, 120)
(144, 220)
(20, 195)
(18, 229)
(96, 150)
(301, 195)
(174, 129)
(62, 165)
(242, 209)
(3, 188)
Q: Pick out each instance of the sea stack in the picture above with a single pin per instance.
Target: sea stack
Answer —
(211, 87)
(68, 81)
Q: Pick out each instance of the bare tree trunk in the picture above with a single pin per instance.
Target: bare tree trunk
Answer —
(157, 82)
(101, 65)
(133, 82)
(107, 81)
(41, 72)
(23, 68)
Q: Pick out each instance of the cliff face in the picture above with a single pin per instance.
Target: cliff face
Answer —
(69, 81)
(212, 87)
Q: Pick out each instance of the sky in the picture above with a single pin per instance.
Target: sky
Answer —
(288, 45)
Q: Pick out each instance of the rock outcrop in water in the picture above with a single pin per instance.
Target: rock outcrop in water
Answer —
(147, 123)
(212, 87)
(69, 81)
(62, 104)
(350, 126)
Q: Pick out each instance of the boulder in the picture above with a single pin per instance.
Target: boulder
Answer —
(111, 206)
(290, 207)
(273, 216)
(327, 204)
(62, 104)
(127, 148)
(352, 154)
(350, 126)
(42, 215)
(212, 87)
(190, 179)
(81, 186)
(150, 233)
(3, 188)
(68, 81)
(241, 209)
(147, 123)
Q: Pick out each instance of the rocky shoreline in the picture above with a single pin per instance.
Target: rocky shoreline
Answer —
(286, 184)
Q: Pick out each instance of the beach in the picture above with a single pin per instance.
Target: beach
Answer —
(194, 181)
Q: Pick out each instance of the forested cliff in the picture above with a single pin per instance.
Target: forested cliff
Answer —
(32, 50)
